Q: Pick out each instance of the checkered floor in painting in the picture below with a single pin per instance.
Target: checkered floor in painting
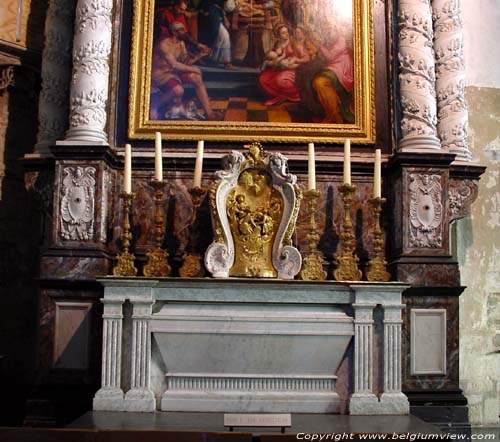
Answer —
(243, 109)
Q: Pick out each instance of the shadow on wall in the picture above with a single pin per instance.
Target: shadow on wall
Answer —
(20, 225)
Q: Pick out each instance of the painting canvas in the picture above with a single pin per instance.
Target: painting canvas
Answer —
(287, 70)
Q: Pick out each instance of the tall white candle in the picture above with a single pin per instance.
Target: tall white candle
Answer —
(311, 169)
(198, 164)
(377, 188)
(158, 157)
(127, 171)
(347, 161)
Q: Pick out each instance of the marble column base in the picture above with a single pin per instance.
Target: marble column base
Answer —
(419, 143)
(110, 399)
(369, 404)
(250, 402)
(394, 403)
(139, 400)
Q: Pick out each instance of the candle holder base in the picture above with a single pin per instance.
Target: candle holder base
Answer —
(312, 268)
(125, 265)
(192, 266)
(157, 265)
(347, 261)
(347, 267)
(377, 266)
(125, 261)
(377, 270)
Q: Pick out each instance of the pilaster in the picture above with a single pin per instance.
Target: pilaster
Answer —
(110, 395)
(140, 397)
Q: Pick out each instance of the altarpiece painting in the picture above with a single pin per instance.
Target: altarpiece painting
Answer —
(239, 70)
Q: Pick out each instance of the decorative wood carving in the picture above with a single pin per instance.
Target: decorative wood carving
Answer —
(426, 211)
(77, 203)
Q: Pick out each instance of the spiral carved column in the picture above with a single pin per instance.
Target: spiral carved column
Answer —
(417, 76)
(89, 83)
(453, 115)
(56, 73)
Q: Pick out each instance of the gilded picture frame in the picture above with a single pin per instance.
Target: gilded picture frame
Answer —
(295, 123)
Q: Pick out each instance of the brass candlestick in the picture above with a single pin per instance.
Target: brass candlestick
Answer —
(377, 266)
(157, 264)
(312, 266)
(347, 260)
(192, 266)
(125, 265)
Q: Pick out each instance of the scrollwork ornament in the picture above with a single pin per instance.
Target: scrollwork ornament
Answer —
(462, 194)
(77, 203)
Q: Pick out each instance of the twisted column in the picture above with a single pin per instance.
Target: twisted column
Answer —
(417, 76)
(140, 397)
(110, 395)
(89, 83)
(56, 73)
(450, 78)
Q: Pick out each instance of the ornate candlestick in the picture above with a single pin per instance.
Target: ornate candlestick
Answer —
(125, 265)
(157, 264)
(312, 265)
(347, 260)
(192, 266)
(377, 270)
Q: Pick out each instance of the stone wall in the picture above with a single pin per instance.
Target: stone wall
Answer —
(478, 235)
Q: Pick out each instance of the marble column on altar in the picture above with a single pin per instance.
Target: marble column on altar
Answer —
(110, 395)
(90, 77)
(417, 77)
(450, 78)
(56, 73)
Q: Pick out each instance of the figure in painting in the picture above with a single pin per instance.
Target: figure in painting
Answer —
(213, 25)
(172, 69)
(326, 85)
(278, 76)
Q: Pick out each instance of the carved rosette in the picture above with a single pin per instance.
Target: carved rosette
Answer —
(220, 255)
(76, 211)
(450, 78)
(426, 211)
(89, 83)
(56, 71)
(462, 193)
(416, 76)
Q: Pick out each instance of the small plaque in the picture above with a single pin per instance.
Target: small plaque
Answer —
(258, 420)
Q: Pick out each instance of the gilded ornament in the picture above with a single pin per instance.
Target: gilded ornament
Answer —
(125, 265)
(377, 266)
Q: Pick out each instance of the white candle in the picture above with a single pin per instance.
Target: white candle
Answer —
(198, 164)
(158, 158)
(311, 170)
(377, 190)
(127, 171)
(347, 161)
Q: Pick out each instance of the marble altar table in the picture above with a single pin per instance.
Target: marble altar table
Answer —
(249, 345)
